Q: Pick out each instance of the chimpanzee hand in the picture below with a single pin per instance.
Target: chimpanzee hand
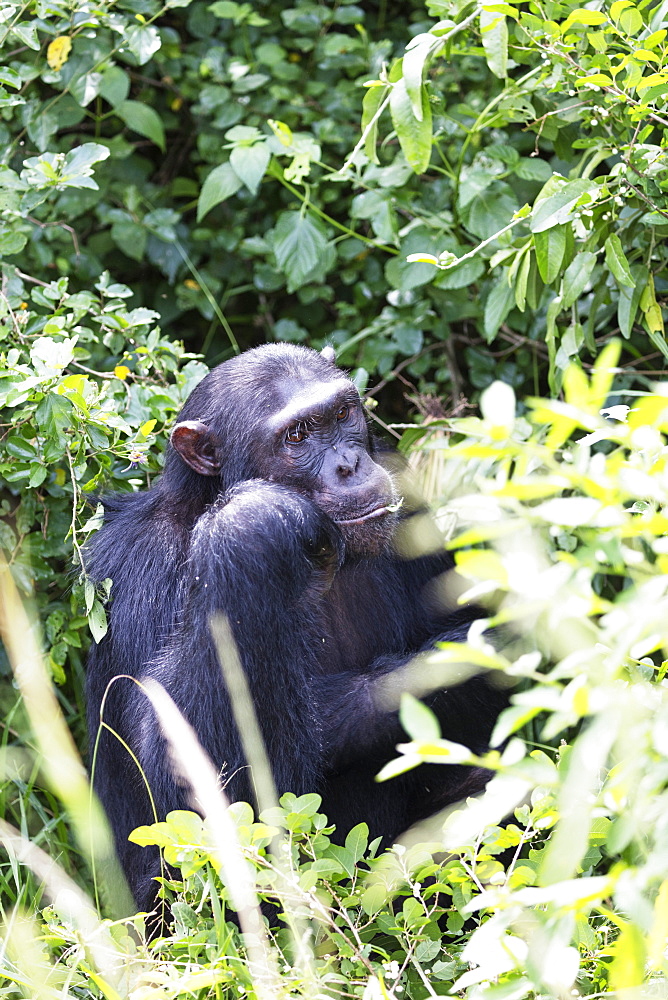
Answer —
(269, 534)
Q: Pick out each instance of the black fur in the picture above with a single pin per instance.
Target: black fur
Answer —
(322, 610)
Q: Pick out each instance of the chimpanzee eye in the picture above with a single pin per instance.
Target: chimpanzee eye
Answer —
(296, 434)
(342, 413)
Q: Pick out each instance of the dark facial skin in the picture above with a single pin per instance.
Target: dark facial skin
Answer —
(319, 443)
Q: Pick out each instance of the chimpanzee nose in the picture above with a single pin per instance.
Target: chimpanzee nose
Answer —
(347, 462)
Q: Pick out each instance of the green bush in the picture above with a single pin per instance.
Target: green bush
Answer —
(75, 429)
(209, 156)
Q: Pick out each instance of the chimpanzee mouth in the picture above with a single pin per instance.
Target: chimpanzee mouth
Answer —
(371, 514)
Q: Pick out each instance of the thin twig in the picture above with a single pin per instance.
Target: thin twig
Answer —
(29, 277)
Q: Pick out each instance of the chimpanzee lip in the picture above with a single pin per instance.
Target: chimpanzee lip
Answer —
(369, 516)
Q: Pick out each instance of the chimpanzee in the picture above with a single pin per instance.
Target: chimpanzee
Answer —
(275, 509)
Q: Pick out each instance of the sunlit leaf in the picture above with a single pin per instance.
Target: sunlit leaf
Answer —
(419, 721)
(414, 136)
(494, 34)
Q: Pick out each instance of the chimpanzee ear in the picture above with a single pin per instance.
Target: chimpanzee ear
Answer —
(197, 446)
(329, 354)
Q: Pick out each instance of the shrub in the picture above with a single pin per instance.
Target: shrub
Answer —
(210, 155)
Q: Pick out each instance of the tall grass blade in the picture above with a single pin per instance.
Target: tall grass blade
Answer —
(191, 762)
(58, 756)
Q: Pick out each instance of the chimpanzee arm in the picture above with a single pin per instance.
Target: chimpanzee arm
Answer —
(360, 711)
(262, 556)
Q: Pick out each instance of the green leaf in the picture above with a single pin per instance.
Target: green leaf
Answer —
(651, 42)
(372, 100)
(408, 338)
(97, 621)
(158, 834)
(499, 302)
(115, 85)
(357, 840)
(142, 119)
(631, 21)
(299, 246)
(403, 275)
(374, 898)
(535, 284)
(494, 32)
(228, 9)
(131, 237)
(461, 275)
(559, 207)
(250, 164)
(220, 184)
(616, 260)
(584, 16)
(344, 858)
(629, 299)
(617, 7)
(419, 721)
(85, 88)
(26, 32)
(376, 206)
(550, 245)
(43, 124)
(10, 78)
(653, 317)
(473, 182)
(418, 51)
(627, 970)
(576, 276)
(414, 136)
(551, 330)
(596, 79)
(38, 474)
(143, 41)
(19, 448)
(80, 160)
(11, 242)
(520, 286)
(598, 40)
(491, 211)
(533, 169)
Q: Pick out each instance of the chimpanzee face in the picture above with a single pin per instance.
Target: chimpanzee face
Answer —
(308, 433)
(318, 442)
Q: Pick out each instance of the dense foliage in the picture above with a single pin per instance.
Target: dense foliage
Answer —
(209, 156)
(450, 194)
